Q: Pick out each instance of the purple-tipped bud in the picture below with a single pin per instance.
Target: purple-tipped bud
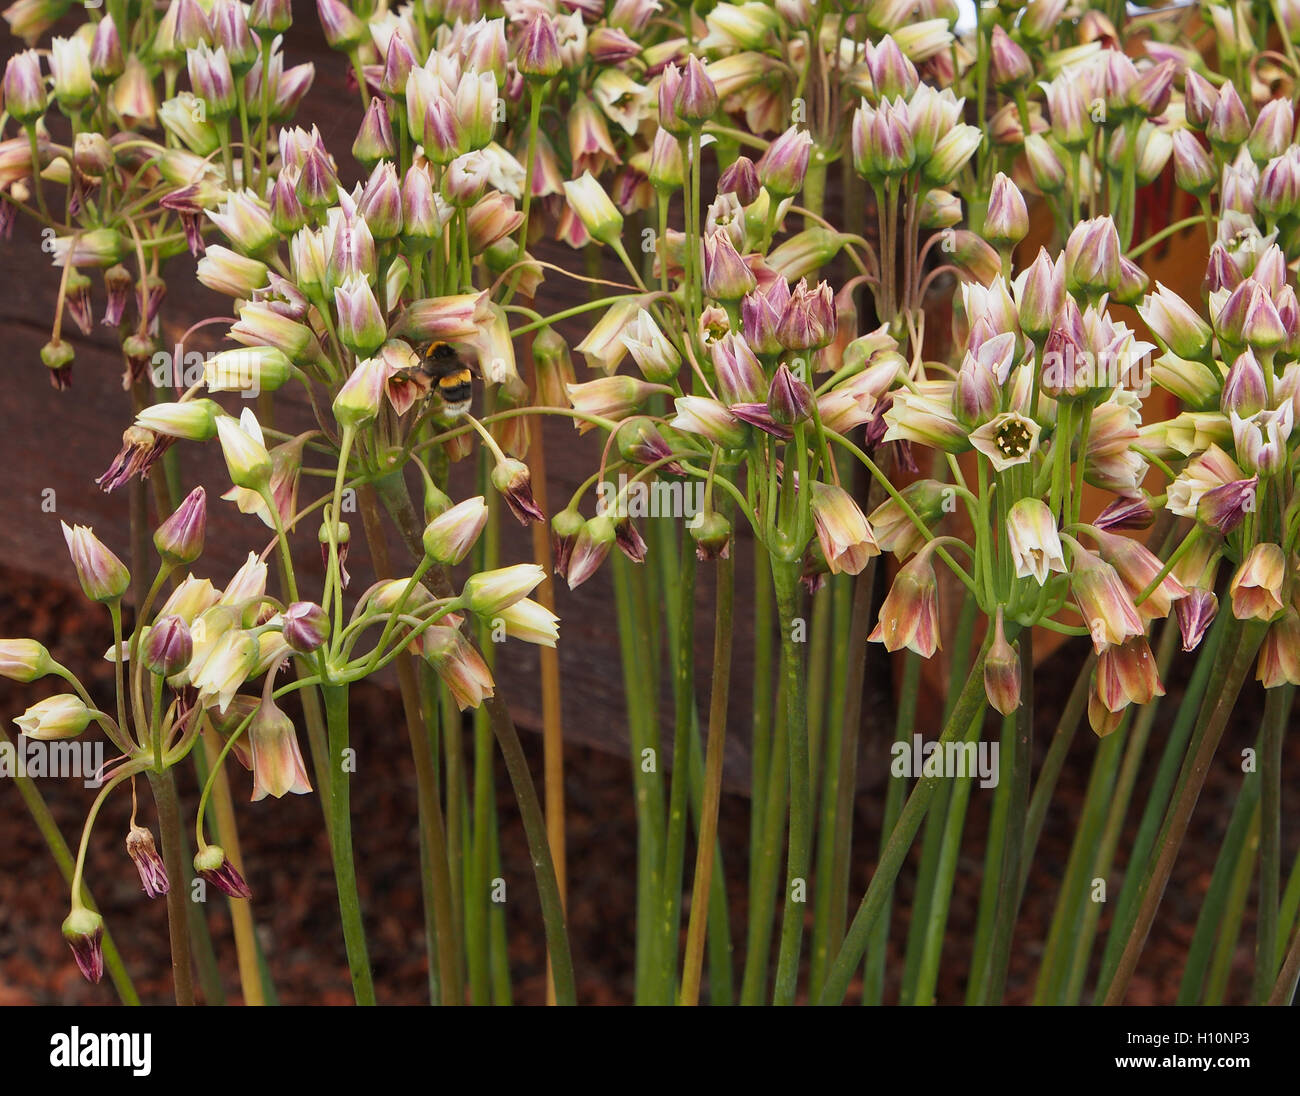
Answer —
(789, 399)
(1244, 389)
(270, 17)
(1194, 171)
(784, 164)
(381, 202)
(24, 87)
(212, 865)
(1273, 131)
(538, 51)
(1134, 512)
(697, 99)
(179, 539)
(1195, 612)
(306, 626)
(1092, 255)
(398, 63)
(343, 30)
(670, 82)
(83, 929)
(1044, 164)
(103, 576)
(212, 80)
(740, 377)
(168, 646)
(1007, 220)
(1199, 99)
(741, 179)
(375, 137)
(1229, 124)
(1010, 65)
(106, 62)
(892, 74)
(726, 277)
(287, 212)
(808, 320)
(1151, 92)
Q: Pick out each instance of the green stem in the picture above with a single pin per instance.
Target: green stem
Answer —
(345, 872)
(1226, 683)
(169, 829)
(969, 705)
(1277, 708)
(713, 755)
(786, 580)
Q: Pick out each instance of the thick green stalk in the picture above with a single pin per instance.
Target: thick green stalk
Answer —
(1228, 677)
(682, 642)
(713, 755)
(786, 579)
(873, 971)
(1157, 801)
(835, 837)
(1054, 970)
(970, 704)
(1225, 949)
(398, 503)
(647, 784)
(762, 720)
(979, 983)
(1211, 917)
(1277, 709)
(1018, 807)
(345, 872)
(927, 975)
(169, 829)
(764, 879)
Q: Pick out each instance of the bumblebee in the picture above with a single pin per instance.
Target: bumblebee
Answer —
(444, 371)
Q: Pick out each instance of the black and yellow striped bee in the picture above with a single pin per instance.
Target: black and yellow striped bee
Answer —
(444, 371)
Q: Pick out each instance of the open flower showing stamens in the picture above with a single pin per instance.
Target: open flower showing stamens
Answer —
(1007, 440)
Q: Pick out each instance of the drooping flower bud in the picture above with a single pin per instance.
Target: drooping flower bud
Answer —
(83, 929)
(212, 865)
(1002, 674)
(712, 535)
(305, 626)
(512, 479)
(591, 546)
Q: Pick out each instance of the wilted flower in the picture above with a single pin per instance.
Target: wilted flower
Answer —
(143, 853)
(83, 929)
